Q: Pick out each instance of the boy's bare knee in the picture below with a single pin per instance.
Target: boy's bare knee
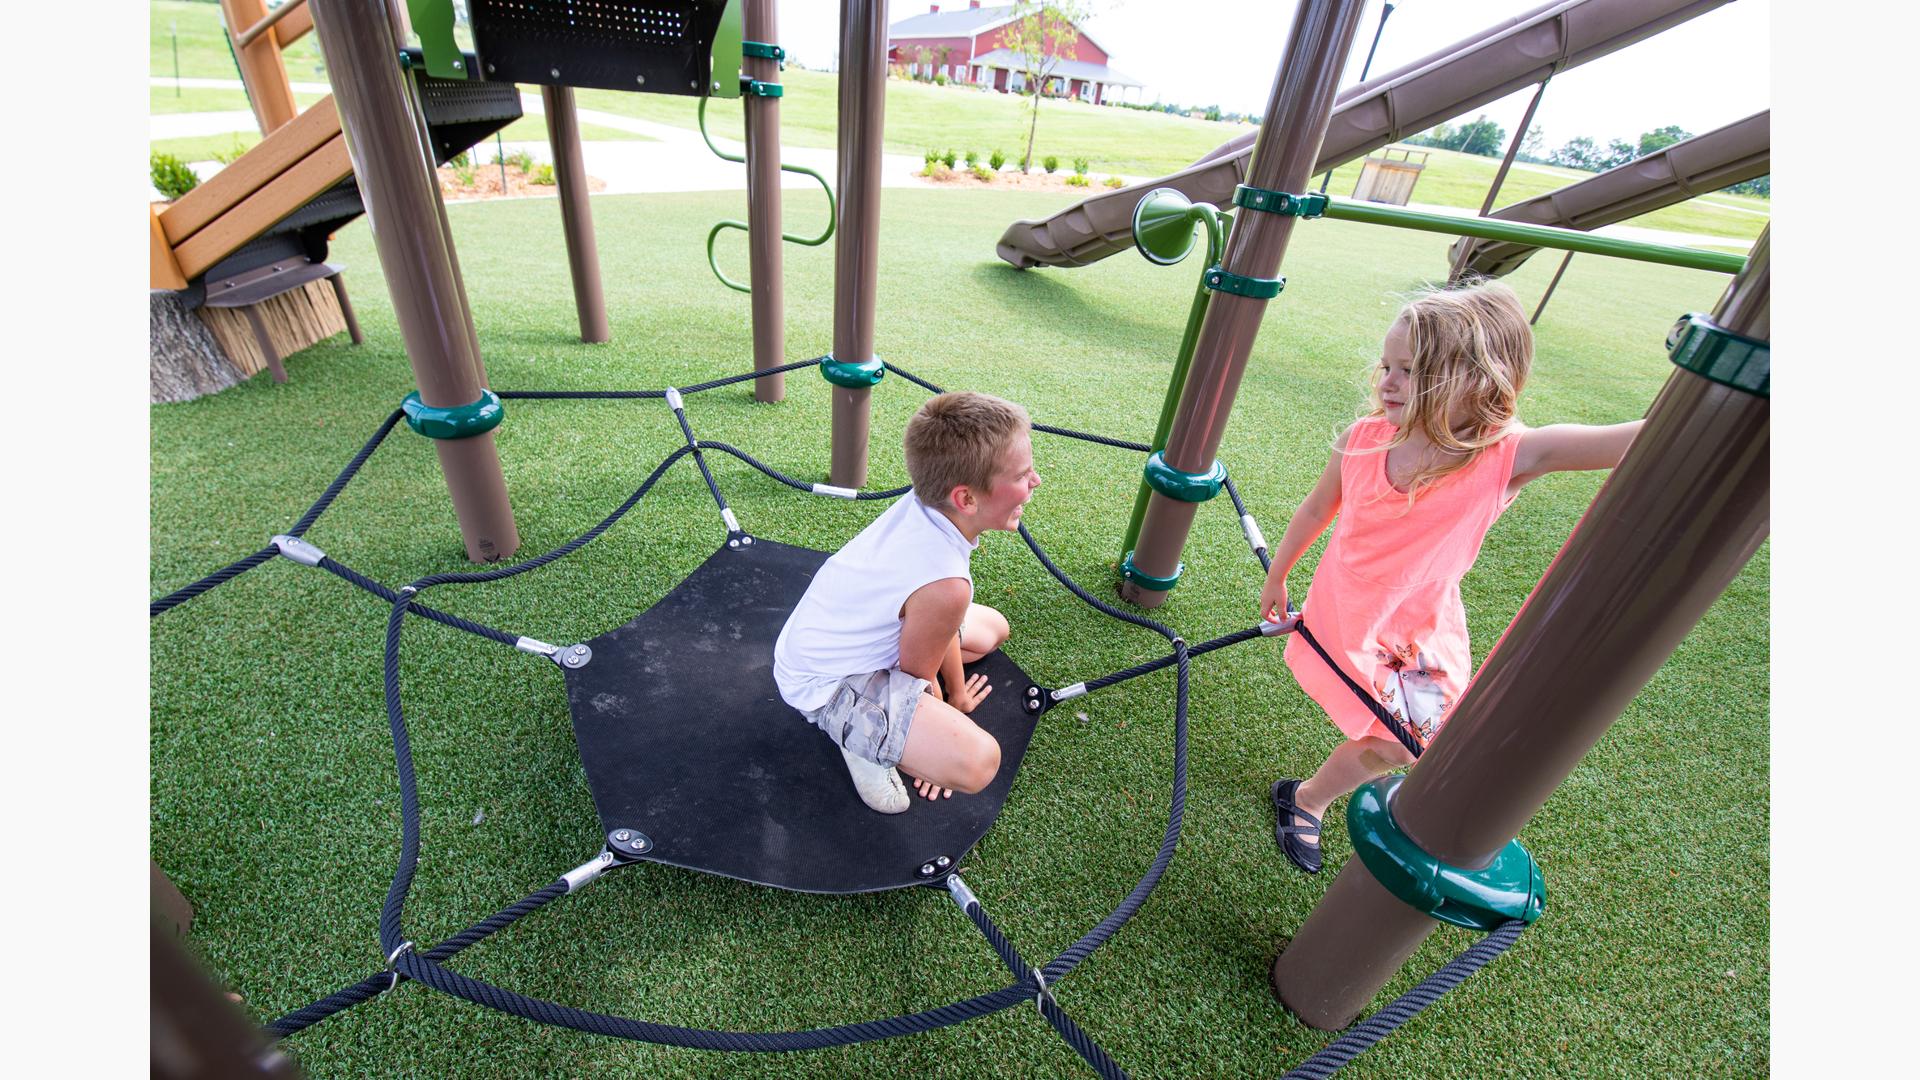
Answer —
(982, 765)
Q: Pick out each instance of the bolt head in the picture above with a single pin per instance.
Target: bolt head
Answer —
(926, 870)
(622, 835)
(555, 72)
(733, 543)
(746, 540)
(943, 862)
(458, 65)
(639, 844)
(640, 80)
(579, 650)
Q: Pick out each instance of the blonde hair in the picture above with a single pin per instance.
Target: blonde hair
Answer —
(1472, 351)
(959, 438)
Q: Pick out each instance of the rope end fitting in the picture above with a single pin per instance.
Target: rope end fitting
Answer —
(298, 550)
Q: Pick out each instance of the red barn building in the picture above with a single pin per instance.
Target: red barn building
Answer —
(964, 44)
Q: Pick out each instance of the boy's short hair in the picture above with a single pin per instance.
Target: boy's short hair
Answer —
(959, 438)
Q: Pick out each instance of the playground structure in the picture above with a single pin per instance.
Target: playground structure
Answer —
(1710, 423)
(246, 250)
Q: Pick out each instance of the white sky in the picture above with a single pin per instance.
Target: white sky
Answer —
(1709, 71)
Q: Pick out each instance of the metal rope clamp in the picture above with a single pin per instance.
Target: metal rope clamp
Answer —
(1044, 995)
(1286, 204)
(394, 958)
(1509, 887)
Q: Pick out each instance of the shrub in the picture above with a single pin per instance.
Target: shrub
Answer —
(1080, 166)
(231, 154)
(171, 175)
(932, 156)
(1114, 181)
(464, 175)
(1050, 163)
(973, 158)
(997, 159)
(522, 160)
(981, 172)
(1077, 180)
(541, 174)
(460, 160)
(939, 80)
(949, 157)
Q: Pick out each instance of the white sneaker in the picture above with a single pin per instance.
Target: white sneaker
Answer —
(879, 786)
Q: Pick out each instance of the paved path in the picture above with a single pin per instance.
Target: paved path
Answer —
(675, 159)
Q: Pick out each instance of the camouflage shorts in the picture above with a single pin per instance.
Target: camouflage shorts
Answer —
(869, 715)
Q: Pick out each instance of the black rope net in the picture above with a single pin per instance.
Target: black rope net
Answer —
(1031, 983)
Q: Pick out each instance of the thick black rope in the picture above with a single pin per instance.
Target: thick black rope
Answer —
(379, 983)
(1170, 659)
(699, 458)
(1071, 958)
(1082, 1043)
(797, 485)
(1403, 1008)
(1124, 444)
(618, 395)
(228, 573)
(352, 576)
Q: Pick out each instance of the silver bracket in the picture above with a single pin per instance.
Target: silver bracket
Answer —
(675, 401)
(298, 550)
(578, 877)
(836, 492)
(1285, 626)
(392, 958)
(1045, 994)
(1255, 539)
(567, 656)
(1067, 693)
(962, 895)
(933, 867)
(726, 515)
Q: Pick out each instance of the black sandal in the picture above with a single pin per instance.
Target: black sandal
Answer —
(1286, 834)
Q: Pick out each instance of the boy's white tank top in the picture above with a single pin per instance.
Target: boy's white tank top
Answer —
(848, 623)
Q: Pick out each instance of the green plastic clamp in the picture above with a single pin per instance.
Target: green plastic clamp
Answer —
(1510, 887)
(1255, 288)
(761, 50)
(1720, 355)
(459, 422)
(1148, 581)
(850, 374)
(1184, 486)
(756, 88)
(433, 21)
(1311, 205)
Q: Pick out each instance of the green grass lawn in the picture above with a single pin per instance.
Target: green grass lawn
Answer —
(272, 792)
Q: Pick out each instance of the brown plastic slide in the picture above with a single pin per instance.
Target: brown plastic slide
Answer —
(301, 159)
(1386, 108)
(1704, 163)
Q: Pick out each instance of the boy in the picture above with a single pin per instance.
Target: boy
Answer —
(890, 616)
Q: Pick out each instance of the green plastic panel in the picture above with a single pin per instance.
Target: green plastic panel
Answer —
(854, 375)
(1510, 887)
(433, 21)
(727, 38)
(459, 422)
(1720, 355)
(1184, 486)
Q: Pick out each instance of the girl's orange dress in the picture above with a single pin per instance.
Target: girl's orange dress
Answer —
(1385, 599)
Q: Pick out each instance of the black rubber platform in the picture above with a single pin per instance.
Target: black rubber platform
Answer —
(685, 740)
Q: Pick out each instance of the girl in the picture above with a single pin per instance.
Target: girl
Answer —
(1416, 484)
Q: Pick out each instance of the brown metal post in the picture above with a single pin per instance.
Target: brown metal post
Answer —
(410, 233)
(1677, 520)
(1283, 157)
(339, 284)
(1500, 175)
(576, 217)
(1551, 285)
(856, 248)
(763, 208)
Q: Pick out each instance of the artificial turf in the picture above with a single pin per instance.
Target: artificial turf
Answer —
(273, 793)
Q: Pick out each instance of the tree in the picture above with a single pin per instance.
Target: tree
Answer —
(942, 52)
(1661, 138)
(923, 63)
(1619, 152)
(1578, 153)
(1041, 35)
(1482, 137)
(1530, 146)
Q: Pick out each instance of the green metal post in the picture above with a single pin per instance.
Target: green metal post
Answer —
(1536, 235)
(1216, 224)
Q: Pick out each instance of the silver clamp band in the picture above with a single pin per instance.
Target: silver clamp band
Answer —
(1255, 539)
(962, 895)
(674, 400)
(298, 550)
(726, 515)
(836, 492)
(578, 877)
(535, 646)
(392, 958)
(1068, 692)
(1044, 995)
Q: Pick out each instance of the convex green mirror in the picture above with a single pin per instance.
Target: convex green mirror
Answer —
(1163, 224)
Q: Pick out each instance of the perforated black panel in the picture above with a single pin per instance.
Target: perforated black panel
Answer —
(659, 46)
